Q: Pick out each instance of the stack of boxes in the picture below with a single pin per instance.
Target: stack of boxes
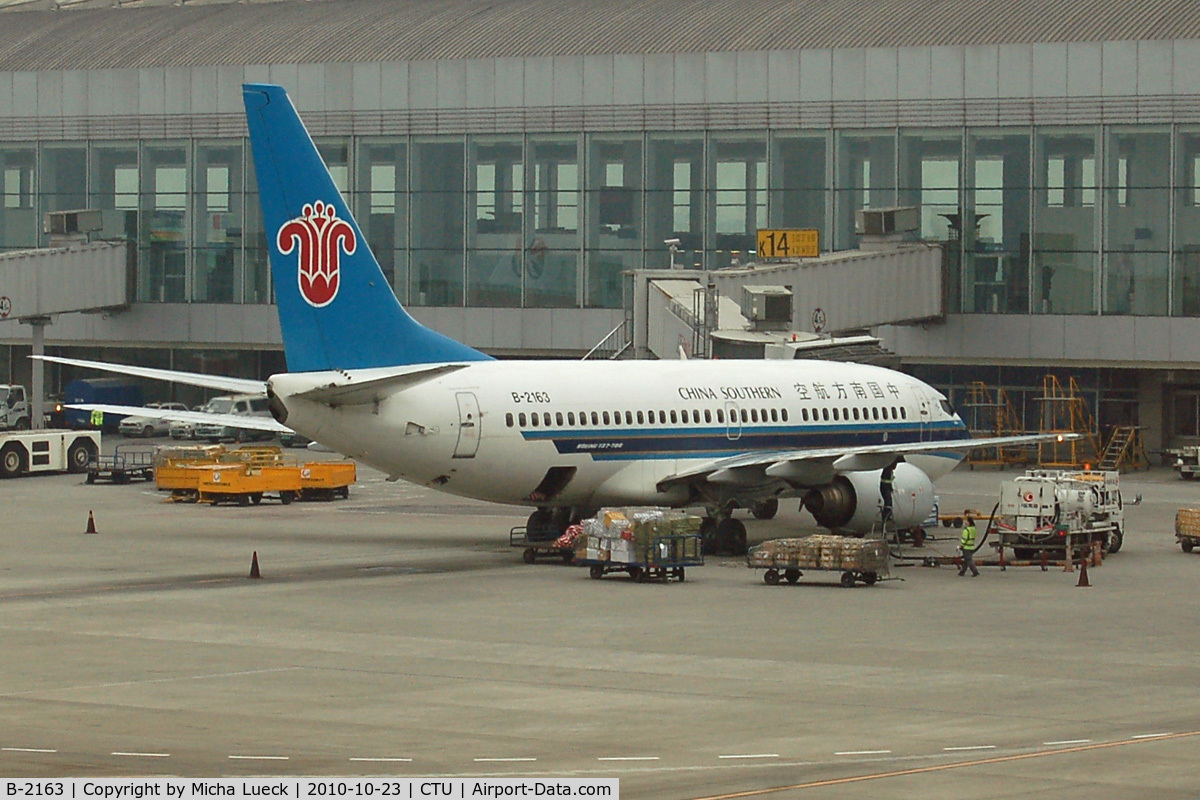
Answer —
(821, 551)
(637, 536)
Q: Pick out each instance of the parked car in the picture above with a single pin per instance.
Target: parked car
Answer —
(186, 430)
(247, 405)
(293, 439)
(149, 426)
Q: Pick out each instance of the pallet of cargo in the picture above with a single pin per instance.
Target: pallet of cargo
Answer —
(646, 543)
(859, 560)
(1187, 529)
(659, 559)
(127, 462)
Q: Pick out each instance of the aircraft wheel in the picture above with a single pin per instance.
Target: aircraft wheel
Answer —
(731, 537)
(708, 544)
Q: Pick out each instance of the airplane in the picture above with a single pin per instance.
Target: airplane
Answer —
(562, 437)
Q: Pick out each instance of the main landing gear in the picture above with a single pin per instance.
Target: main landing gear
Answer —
(723, 535)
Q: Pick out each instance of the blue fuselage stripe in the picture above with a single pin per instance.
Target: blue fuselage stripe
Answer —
(715, 442)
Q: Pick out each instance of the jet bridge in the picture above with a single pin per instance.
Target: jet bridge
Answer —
(737, 312)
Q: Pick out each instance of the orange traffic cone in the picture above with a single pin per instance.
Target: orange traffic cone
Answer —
(254, 573)
(1083, 578)
(91, 526)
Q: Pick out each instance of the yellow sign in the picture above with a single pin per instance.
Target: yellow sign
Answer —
(783, 243)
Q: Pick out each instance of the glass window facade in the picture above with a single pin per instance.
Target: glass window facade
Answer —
(1042, 220)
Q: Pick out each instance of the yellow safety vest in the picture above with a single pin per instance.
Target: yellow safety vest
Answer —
(968, 538)
(97, 417)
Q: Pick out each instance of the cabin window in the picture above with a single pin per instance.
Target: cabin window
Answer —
(628, 417)
(595, 418)
(708, 415)
(508, 420)
(875, 413)
(783, 414)
(804, 414)
(754, 415)
(836, 415)
(521, 419)
(774, 415)
(571, 418)
(606, 419)
(546, 419)
(903, 412)
(745, 415)
(662, 416)
(674, 417)
(533, 420)
(825, 414)
(856, 414)
(583, 418)
(641, 418)
(721, 415)
(558, 418)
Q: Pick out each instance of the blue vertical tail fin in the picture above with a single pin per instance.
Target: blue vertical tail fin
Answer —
(336, 309)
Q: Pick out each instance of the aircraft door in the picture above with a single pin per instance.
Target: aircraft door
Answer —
(733, 422)
(926, 415)
(468, 425)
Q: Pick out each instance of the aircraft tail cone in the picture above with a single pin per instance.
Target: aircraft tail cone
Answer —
(1083, 578)
(254, 573)
(91, 526)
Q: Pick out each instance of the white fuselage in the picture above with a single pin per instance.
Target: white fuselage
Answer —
(493, 429)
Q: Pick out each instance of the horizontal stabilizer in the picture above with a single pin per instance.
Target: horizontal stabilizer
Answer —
(242, 421)
(373, 390)
(219, 382)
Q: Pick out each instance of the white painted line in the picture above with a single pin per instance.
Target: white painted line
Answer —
(505, 759)
(260, 758)
(1150, 735)
(406, 760)
(862, 752)
(753, 755)
(142, 755)
(628, 758)
(26, 750)
(972, 747)
(1067, 741)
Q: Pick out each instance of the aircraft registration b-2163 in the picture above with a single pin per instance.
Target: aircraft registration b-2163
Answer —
(564, 437)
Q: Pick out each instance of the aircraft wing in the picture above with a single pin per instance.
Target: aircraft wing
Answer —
(219, 382)
(818, 465)
(197, 417)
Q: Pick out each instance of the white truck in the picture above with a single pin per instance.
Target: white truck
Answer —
(24, 452)
(14, 408)
(1054, 511)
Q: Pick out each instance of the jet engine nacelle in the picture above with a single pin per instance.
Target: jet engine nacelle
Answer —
(853, 502)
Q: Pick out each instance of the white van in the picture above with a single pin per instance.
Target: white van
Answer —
(247, 405)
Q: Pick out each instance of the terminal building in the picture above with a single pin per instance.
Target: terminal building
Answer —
(510, 160)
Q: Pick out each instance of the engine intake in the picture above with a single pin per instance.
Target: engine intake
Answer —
(853, 502)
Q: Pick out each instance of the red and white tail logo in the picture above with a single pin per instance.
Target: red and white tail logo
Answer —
(320, 239)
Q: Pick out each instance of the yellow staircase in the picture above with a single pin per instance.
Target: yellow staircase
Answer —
(988, 416)
(1065, 410)
(1124, 448)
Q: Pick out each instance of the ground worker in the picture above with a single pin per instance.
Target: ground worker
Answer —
(967, 545)
(885, 489)
(97, 418)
